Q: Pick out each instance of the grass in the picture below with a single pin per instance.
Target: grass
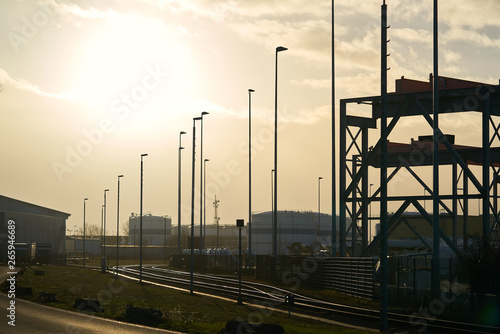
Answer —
(181, 311)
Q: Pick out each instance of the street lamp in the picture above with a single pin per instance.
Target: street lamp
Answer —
(118, 224)
(201, 179)
(84, 209)
(239, 223)
(371, 185)
(272, 203)
(103, 260)
(204, 201)
(319, 207)
(140, 220)
(102, 223)
(250, 91)
(275, 210)
(179, 196)
(192, 204)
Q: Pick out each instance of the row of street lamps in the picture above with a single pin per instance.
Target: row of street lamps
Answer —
(202, 187)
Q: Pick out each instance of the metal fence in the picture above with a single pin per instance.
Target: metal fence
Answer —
(352, 276)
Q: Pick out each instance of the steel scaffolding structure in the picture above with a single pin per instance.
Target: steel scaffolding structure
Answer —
(415, 99)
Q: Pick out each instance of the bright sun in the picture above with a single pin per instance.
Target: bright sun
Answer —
(118, 57)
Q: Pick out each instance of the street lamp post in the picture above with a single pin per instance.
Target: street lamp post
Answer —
(118, 224)
(140, 220)
(104, 224)
(201, 179)
(239, 223)
(192, 204)
(204, 202)
(250, 91)
(84, 209)
(275, 211)
(179, 196)
(371, 185)
(272, 203)
(319, 207)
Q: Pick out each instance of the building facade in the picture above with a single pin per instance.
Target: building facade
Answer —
(34, 224)
(294, 227)
(156, 230)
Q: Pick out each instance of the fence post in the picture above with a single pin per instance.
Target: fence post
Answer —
(451, 288)
(414, 279)
(398, 261)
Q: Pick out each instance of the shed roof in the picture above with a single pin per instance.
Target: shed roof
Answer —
(13, 205)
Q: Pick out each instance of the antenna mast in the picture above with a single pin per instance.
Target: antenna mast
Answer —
(216, 218)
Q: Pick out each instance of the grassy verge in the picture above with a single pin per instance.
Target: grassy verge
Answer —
(181, 311)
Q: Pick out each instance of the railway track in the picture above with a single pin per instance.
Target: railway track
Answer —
(274, 297)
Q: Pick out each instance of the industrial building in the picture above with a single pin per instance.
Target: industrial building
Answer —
(34, 225)
(155, 229)
(294, 227)
(472, 171)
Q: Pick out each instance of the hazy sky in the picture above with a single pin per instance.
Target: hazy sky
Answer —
(88, 86)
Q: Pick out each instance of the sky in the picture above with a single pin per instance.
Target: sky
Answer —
(89, 86)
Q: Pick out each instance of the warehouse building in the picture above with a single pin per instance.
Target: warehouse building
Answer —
(34, 225)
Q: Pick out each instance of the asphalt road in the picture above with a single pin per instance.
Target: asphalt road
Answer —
(33, 318)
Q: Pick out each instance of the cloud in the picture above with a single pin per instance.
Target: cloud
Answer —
(7, 81)
(313, 83)
(470, 36)
(473, 14)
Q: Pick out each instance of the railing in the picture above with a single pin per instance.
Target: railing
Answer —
(352, 276)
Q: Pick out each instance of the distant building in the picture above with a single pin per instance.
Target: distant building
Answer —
(156, 230)
(294, 227)
(34, 224)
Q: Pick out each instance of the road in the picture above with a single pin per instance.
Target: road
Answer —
(33, 318)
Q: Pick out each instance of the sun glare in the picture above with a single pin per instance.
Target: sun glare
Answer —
(123, 54)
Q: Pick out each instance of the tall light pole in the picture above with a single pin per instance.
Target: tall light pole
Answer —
(179, 196)
(102, 223)
(84, 209)
(204, 201)
(118, 224)
(239, 223)
(319, 207)
(201, 179)
(192, 204)
(272, 204)
(104, 229)
(140, 220)
(250, 91)
(275, 210)
(371, 185)
(103, 264)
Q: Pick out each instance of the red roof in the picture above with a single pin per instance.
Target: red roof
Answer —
(404, 85)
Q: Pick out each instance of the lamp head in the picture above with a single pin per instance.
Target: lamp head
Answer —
(204, 113)
(120, 176)
(281, 48)
(207, 160)
(85, 199)
(144, 155)
(251, 90)
(183, 133)
(320, 178)
(181, 148)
